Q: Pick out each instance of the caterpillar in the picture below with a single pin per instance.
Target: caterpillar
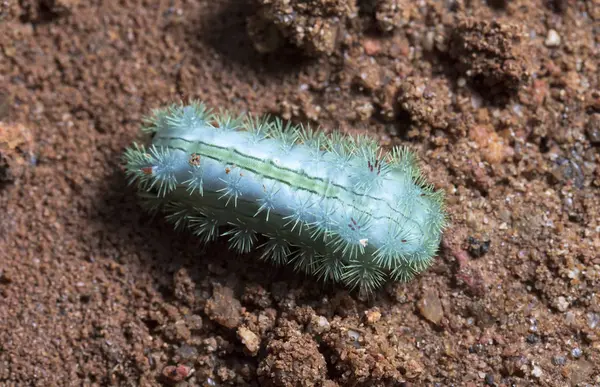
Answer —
(334, 206)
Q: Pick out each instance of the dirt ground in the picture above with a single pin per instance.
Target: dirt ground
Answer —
(500, 99)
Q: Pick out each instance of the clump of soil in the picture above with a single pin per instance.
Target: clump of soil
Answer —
(16, 152)
(489, 54)
(293, 359)
(314, 26)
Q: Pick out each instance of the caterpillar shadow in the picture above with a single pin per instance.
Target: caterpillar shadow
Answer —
(224, 29)
(149, 243)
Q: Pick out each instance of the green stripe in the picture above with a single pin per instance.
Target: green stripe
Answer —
(281, 174)
(289, 173)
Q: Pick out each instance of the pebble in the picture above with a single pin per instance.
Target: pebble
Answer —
(559, 360)
(372, 316)
(579, 371)
(355, 337)
(223, 308)
(187, 352)
(430, 307)
(536, 372)
(371, 46)
(533, 338)
(177, 373)
(553, 39)
(562, 304)
(592, 129)
(249, 339)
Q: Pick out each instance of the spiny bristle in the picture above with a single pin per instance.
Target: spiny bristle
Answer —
(436, 218)
(151, 168)
(195, 182)
(371, 176)
(267, 202)
(405, 199)
(276, 249)
(312, 138)
(322, 227)
(328, 267)
(178, 214)
(341, 150)
(363, 274)
(402, 159)
(136, 160)
(225, 122)
(341, 144)
(301, 210)
(258, 127)
(242, 238)
(193, 116)
(391, 251)
(163, 170)
(303, 259)
(349, 240)
(367, 148)
(233, 186)
(156, 121)
(404, 272)
(204, 225)
(316, 143)
(287, 134)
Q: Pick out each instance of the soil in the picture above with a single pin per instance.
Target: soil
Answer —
(500, 100)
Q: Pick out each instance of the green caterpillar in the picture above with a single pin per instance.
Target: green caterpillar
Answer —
(335, 207)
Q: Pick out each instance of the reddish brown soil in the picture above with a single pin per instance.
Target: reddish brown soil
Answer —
(505, 118)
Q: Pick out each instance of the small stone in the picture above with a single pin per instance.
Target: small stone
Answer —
(559, 360)
(592, 129)
(537, 371)
(175, 374)
(367, 77)
(354, 335)
(363, 111)
(430, 307)
(562, 304)
(553, 39)
(533, 339)
(478, 247)
(579, 371)
(223, 307)
(187, 352)
(371, 46)
(210, 345)
(576, 352)
(178, 331)
(61, 7)
(194, 322)
(372, 316)
(323, 323)
(264, 35)
(249, 339)
(318, 325)
(567, 171)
